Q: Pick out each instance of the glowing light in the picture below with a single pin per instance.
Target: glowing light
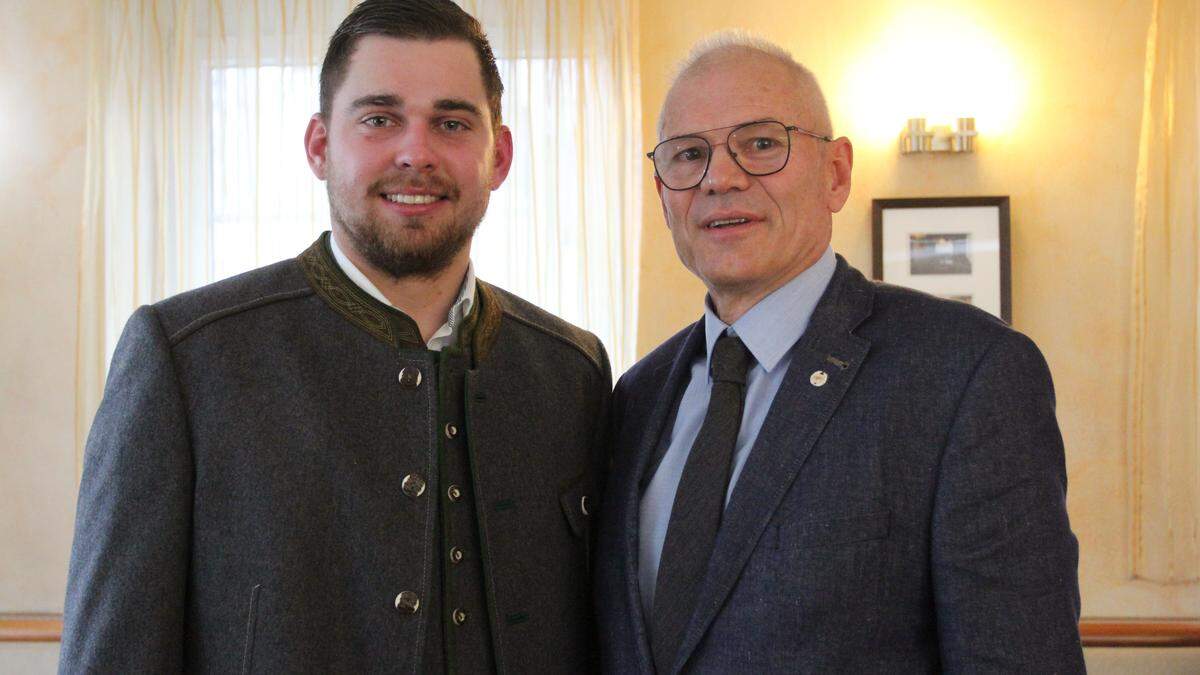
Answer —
(936, 65)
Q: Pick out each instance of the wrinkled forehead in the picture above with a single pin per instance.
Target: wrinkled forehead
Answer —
(732, 90)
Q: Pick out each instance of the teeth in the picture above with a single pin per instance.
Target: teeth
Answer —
(723, 223)
(412, 199)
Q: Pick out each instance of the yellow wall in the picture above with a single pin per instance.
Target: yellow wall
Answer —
(42, 99)
(42, 112)
(1067, 160)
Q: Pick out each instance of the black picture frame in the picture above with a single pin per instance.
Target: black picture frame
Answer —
(952, 255)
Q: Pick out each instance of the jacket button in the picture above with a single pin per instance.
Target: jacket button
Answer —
(413, 485)
(451, 431)
(454, 493)
(408, 602)
(410, 377)
(456, 555)
(459, 617)
(818, 378)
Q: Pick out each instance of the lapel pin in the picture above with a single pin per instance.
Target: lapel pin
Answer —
(818, 378)
(837, 362)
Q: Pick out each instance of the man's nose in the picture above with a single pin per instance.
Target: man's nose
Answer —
(724, 174)
(415, 149)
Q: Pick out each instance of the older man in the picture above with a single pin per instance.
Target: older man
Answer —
(823, 474)
(363, 459)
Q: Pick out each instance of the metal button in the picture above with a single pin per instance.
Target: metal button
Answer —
(410, 377)
(408, 602)
(451, 430)
(413, 485)
(458, 616)
(456, 555)
(818, 378)
(454, 493)
(583, 505)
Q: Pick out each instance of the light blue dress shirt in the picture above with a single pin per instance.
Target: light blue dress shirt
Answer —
(768, 329)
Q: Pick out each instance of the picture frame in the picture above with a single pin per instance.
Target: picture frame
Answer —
(952, 247)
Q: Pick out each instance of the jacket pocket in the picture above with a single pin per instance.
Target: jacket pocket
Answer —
(834, 531)
(834, 562)
(578, 504)
(251, 629)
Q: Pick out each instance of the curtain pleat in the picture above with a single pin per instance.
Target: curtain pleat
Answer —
(1164, 400)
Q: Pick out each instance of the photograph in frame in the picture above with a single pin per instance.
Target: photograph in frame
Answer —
(952, 247)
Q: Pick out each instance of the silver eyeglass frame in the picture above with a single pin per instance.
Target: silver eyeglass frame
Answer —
(733, 128)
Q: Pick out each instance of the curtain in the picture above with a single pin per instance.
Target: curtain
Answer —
(195, 166)
(564, 230)
(1164, 439)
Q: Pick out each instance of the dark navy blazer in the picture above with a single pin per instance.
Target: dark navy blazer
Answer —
(907, 515)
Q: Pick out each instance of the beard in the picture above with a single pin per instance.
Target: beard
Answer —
(421, 246)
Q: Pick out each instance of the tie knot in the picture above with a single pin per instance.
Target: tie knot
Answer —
(730, 359)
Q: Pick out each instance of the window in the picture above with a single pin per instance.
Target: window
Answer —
(265, 204)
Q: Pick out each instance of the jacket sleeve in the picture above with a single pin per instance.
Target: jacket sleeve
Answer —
(128, 574)
(1004, 559)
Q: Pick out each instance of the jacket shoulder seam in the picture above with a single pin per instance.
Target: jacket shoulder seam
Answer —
(216, 315)
(593, 359)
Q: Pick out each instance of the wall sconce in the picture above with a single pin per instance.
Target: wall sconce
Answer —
(915, 138)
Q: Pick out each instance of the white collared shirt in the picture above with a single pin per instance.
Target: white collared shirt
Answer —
(442, 337)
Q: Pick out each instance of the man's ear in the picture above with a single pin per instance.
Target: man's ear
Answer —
(502, 156)
(316, 144)
(840, 161)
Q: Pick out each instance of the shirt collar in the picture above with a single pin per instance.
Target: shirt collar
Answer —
(458, 311)
(771, 327)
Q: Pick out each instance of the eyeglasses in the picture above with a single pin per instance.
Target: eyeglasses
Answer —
(760, 148)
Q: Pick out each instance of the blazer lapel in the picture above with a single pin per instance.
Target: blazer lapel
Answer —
(801, 409)
(652, 429)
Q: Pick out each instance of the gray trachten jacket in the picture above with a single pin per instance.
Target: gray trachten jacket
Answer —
(244, 505)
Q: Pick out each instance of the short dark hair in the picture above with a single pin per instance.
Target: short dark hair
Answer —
(408, 20)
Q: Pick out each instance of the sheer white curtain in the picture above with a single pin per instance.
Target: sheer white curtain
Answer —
(1164, 394)
(196, 170)
(565, 228)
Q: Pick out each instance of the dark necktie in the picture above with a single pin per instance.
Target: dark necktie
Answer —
(699, 502)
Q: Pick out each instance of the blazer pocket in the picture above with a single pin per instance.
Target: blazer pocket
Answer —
(251, 629)
(837, 530)
(578, 504)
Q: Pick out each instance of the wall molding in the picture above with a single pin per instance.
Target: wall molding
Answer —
(1095, 632)
(1139, 633)
(30, 627)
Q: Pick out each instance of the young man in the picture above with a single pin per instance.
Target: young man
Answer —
(363, 459)
(824, 474)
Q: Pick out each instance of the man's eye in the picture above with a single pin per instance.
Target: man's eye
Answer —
(377, 121)
(454, 125)
(689, 155)
(762, 143)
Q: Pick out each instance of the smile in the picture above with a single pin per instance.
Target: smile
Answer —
(717, 224)
(412, 199)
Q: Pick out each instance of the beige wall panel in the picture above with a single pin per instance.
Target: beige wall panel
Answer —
(1068, 161)
(1124, 660)
(43, 99)
(29, 658)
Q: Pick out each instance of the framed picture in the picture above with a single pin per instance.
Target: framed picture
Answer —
(953, 247)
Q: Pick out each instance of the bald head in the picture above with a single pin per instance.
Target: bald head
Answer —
(736, 49)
